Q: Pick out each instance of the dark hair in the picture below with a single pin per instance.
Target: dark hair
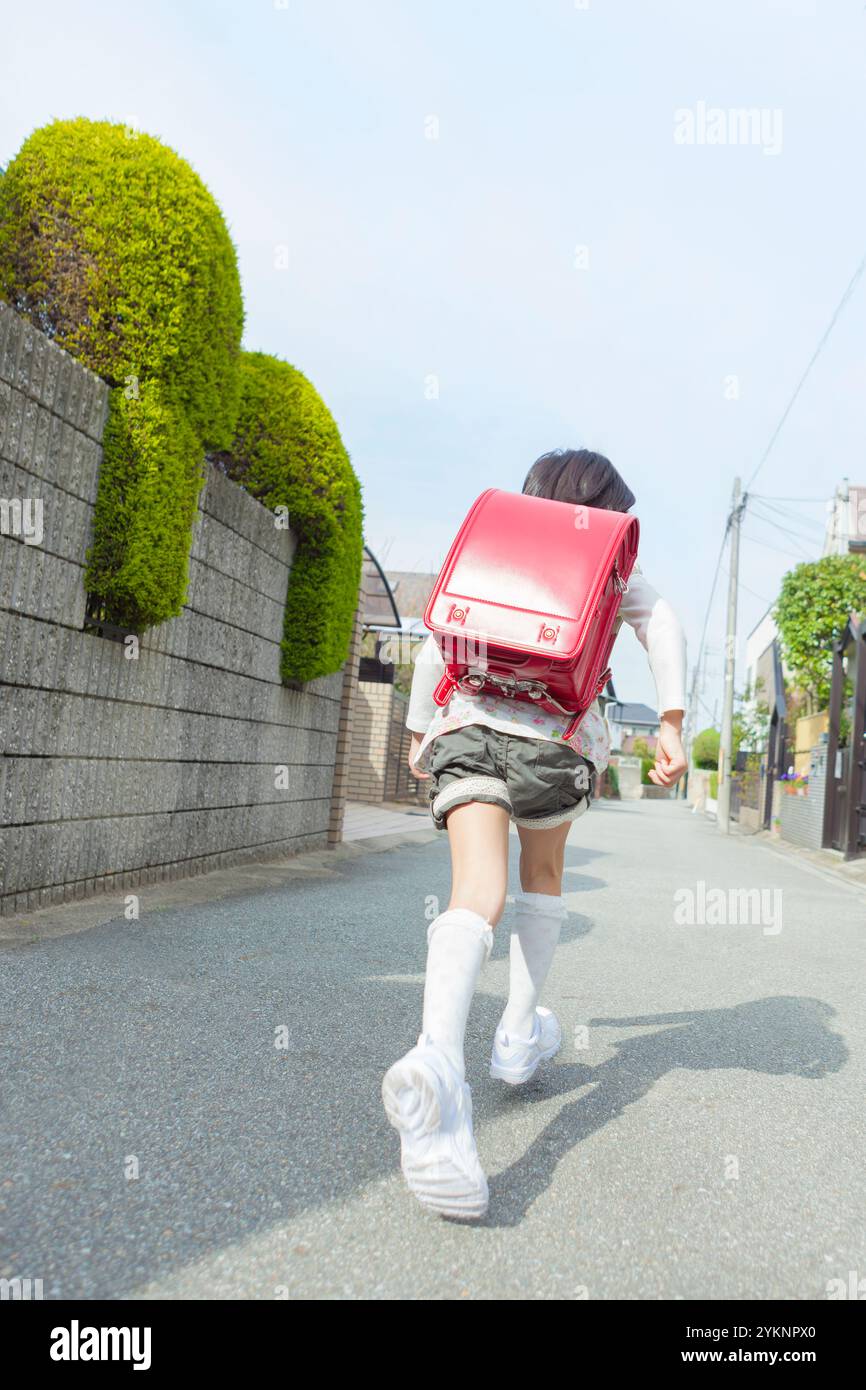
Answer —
(580, 476)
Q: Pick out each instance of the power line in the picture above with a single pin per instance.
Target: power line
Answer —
(707, 619)
(849, 290)
(771, 497)
(768, 601)
(777, 525)
(805, 523)
(789, 512)
(756, 540)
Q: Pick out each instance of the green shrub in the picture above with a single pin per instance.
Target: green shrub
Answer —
(113, 247)
(705, 749)
(714, 786)
(151, 474)
(645, 765)
(287, 452)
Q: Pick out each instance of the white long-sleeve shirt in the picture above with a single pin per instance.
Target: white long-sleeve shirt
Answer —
(658, 630)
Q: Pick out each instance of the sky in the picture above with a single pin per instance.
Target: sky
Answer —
(485, 229)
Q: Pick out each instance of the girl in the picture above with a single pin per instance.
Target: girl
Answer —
(493, 760)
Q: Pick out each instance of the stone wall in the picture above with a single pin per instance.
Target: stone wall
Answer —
(117, 770)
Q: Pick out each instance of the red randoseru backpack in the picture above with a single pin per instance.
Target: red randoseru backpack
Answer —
(526, 602)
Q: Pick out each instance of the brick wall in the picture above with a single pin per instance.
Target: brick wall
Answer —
(367, 762)
(117, 772)
(400, 785)
(348, 705)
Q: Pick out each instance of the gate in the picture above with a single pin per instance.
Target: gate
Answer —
(777, 742)
(745, 784)
(845, 804)
(400, 785)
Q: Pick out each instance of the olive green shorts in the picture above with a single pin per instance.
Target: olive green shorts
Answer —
(538, 782)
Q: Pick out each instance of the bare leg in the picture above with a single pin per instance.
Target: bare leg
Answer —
(542, 855)
(478, 836)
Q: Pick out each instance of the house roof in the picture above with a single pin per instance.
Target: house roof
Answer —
(621, 712)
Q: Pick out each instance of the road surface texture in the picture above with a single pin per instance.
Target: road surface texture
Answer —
(701, 1134)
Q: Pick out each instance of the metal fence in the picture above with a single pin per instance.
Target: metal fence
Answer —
(400, 785)
(745, 791)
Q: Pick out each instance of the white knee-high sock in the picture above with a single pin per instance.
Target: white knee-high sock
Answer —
(458, 944)
(534, 937)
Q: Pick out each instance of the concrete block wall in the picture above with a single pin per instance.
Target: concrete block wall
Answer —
(115, 771)
(801, 818)
(699, 785)
(628, 771)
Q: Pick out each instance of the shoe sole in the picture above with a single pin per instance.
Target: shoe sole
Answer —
(422, 1082)
(517, 1078)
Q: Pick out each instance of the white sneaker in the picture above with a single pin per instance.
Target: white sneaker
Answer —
(428, 1103)
(515, 1060)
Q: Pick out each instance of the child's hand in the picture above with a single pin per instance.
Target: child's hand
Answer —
(414, 749)
(670, 754)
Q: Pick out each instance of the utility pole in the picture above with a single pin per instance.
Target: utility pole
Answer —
(692, 724)
(723, 811)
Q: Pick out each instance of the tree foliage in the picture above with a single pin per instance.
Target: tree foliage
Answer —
(815, 603)
(705, 749)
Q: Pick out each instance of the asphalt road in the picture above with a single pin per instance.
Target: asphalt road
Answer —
(701, 1135)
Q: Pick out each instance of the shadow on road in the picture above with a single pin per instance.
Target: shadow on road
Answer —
(153, 1045)
(779, 1036)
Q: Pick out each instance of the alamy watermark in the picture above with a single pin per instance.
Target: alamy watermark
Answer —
(77, 1343)
(729, 907)
(20, 1290)
(853, 1287)
(404, 649)
(760, 126)
(23, 517)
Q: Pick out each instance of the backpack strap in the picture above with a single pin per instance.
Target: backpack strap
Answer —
(444, 690)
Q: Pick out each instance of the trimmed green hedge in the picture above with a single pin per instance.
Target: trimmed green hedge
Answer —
(705, 749)
(113, 247)
(288, 452)
(151, 474)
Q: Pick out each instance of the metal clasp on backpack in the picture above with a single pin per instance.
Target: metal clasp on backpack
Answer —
(475, 680)
(618, 581)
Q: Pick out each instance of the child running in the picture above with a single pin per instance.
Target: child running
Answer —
(490, 761)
